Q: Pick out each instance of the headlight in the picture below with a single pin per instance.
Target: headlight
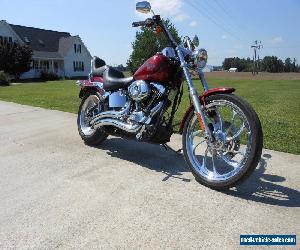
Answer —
(200, 58)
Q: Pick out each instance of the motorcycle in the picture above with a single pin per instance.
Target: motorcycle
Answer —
(221, 133)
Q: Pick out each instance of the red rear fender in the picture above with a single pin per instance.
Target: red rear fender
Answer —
(202, 98)
(91, 85)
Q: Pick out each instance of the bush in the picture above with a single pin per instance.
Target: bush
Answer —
(45, 76)
(15, 58)
(4, 79)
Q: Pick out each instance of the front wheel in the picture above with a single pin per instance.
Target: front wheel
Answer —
(235, 150)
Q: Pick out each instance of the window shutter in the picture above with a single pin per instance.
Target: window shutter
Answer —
(82, 66)
(75, 48)
(80, 48)
(74, 65)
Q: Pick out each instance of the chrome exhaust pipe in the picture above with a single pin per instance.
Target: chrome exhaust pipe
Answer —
(128, 127)
(111, 114)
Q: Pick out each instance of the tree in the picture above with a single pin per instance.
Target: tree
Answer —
(272, 64)
(147, 43)
(288, 65)
(15, 58)
(294, 66)
(120, 67)
(236, 62)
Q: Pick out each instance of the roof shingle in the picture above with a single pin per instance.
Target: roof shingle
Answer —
(40, 39)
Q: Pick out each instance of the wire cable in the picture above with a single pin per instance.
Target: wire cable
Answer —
(209, 17)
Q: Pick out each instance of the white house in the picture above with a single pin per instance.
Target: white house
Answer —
(53, 51)
(233, 70)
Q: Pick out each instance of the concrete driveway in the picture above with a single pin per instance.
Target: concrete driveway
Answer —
(56, 192)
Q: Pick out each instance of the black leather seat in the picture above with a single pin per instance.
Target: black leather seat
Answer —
(114, 79)
(98, 66)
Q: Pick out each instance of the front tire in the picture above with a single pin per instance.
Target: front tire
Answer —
(88, 134)
(236, 149)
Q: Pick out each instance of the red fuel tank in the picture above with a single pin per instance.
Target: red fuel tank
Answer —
(158, 68)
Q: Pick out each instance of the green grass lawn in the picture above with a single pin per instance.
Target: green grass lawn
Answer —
(277, 103)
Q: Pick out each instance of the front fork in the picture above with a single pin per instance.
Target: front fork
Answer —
(193, 93)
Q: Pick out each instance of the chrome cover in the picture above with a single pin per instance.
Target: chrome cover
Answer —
(139, 90)
(137, 116)
(117, 100)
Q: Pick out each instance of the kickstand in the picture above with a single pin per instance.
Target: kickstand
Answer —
(167, 147)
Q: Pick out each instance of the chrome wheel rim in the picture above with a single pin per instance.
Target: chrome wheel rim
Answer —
(88, 109)
(225, 157)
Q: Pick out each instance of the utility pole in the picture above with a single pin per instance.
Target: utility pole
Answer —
(257, 46)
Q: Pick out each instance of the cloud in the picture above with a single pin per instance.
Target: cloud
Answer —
(172, 9)
(180, 17)
(193, 23)
(276, 40)
(224, 37)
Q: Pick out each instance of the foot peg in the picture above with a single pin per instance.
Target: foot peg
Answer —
(167, 147)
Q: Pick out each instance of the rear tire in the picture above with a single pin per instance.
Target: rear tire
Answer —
(89, 135)
(254, 154)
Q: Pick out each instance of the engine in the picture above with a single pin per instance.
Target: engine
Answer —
(133, 111)
(139, 90)
(145, 97)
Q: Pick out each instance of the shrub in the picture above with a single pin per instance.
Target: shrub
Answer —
(45, 76)
(15, 58)
(4, 79)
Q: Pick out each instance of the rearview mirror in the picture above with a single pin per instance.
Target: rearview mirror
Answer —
(143, 7)
(196, 41)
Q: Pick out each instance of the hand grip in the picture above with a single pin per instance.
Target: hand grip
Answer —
(137, 24)
(148, 22)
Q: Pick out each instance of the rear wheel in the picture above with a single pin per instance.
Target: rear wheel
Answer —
(89, 106)
(236, 148)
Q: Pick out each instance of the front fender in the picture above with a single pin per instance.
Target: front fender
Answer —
(202, 98)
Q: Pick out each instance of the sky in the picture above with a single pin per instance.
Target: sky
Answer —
(226, 28)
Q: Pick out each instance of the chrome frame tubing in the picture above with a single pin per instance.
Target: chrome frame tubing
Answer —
(188, 41)
(203, 80)
(192, 89)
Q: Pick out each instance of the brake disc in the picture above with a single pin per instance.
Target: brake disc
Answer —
(233, 145)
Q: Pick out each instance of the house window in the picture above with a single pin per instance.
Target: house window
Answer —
(6, 39)
(77, 48)
(44, 66)
(78, 66)
(36, 64)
